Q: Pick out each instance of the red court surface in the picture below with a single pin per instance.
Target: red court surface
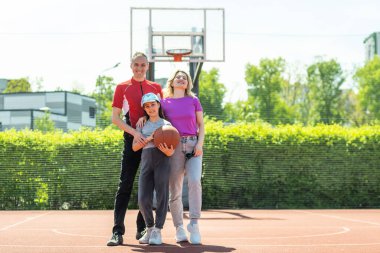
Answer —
(222, 231)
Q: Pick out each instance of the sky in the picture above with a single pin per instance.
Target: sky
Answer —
(69, 43)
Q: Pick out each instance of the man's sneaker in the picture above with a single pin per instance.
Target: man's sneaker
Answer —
(116, 239)
(155, 237)
(140, 234)
(180, 234)
(145, 238)
(195, 236)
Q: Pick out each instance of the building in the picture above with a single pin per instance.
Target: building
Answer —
(69, 111)
(372, 45)
(3, 84)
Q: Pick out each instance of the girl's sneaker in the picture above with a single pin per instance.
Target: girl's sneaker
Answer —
(155, 237)
(146, 236)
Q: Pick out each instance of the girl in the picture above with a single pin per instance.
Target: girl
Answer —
(184, 111)
(155, 170)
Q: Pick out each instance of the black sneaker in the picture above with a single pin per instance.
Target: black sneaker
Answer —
(116, 239)
(140, 234)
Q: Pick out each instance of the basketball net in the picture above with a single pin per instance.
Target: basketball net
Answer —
(177, 54)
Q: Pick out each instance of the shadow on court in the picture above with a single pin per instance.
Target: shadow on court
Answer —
(232, 216)
(180, 248)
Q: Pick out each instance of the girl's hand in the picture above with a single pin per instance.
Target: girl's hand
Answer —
(166, 150)
(198, 149)
(150, 137)
(141, 122)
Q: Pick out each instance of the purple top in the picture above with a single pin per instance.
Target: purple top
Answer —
(181, 113)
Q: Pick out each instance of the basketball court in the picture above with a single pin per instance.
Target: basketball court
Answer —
(237, 231)
(187, 38)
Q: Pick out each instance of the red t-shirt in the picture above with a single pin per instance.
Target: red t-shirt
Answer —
(128, 97)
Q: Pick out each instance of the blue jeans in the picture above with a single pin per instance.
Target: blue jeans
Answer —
(179, 165)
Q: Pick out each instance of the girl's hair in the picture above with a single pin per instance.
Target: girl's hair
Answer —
(138, 54)
(160, 112)
(169, 90)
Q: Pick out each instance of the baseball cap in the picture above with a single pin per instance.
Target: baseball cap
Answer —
(149, 97)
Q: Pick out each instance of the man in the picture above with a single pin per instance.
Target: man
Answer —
(127, 99)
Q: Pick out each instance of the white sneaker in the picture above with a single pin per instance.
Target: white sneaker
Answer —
(155, 237)
(195, 236)
(146, 236)
(180, 234)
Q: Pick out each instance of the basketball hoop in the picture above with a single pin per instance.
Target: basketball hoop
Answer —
(178, 53)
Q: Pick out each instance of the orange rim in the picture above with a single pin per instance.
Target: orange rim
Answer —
(178, 53)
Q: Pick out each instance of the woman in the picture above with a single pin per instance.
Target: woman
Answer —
(184, 111)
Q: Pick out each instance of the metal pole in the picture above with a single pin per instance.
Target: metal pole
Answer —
(195, 71)
(150, 73)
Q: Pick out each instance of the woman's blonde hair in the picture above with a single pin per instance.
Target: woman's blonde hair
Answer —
(169, 89)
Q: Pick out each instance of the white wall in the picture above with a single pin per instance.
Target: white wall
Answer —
(35, 101)
(20, 120)
(74, 99)
(87, 121)
(55, 97)
(73, 126)
(5, 118)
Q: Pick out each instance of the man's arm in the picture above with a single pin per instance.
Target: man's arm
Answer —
(125, 127)
(138, 145)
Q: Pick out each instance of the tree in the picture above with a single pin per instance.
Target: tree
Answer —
(37, 84)
(352, 109)
(103, 95)
(244, 111)
(265, 84)
(18, 85)
(368, 78)
(294, 93)
(325, 79)
(211, 93)
(44, 123)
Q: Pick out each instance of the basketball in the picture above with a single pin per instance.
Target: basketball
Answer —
(166, 134)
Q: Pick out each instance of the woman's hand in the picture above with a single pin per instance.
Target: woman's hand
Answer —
(141, 122)
(198, 149)
(166, 150)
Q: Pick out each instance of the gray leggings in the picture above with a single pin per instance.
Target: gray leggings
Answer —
(154, 175)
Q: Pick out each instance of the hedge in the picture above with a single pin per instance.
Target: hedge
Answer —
(244, 166)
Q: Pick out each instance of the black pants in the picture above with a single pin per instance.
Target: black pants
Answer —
(129, 165)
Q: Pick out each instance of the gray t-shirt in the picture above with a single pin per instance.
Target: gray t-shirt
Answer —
(149, 128)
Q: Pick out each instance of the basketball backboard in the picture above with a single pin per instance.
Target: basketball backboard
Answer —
(156, 30)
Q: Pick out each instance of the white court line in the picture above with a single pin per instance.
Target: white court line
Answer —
(340, 218)
(70, 234)
(237, 246)
(343, 231)
(309, 245)
(24, 221)
(51, 246)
